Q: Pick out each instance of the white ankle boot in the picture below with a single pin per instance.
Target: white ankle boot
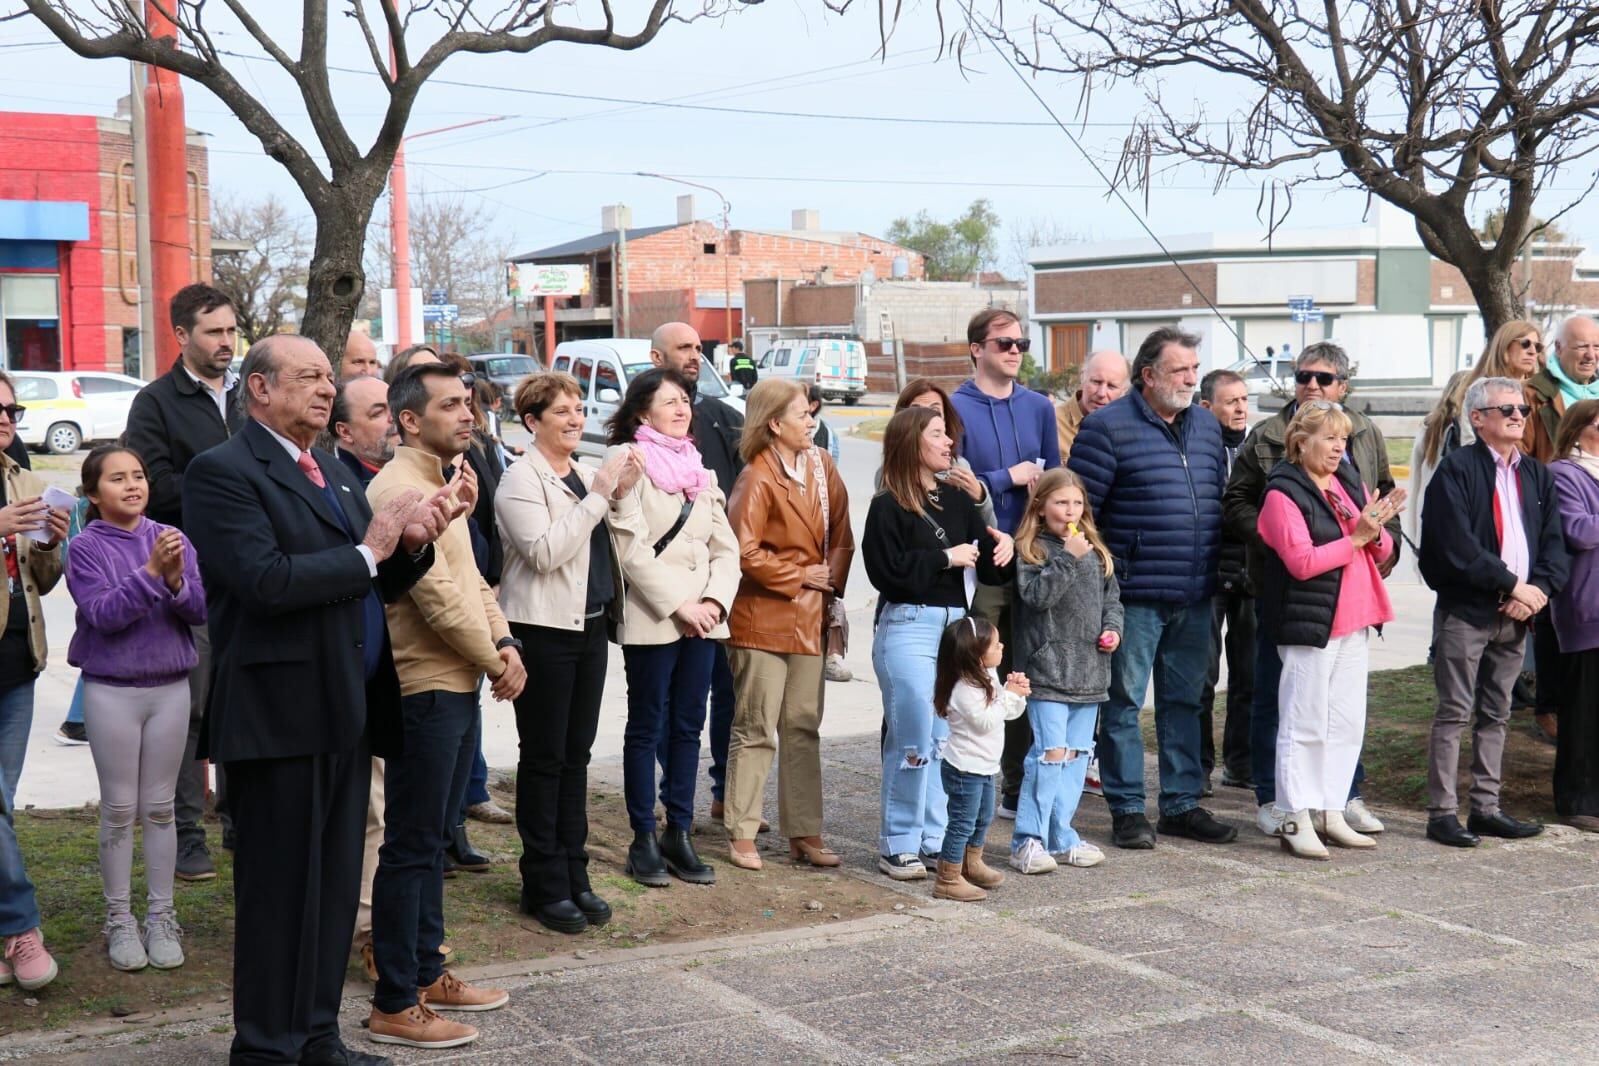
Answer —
(1337, 831)
(1299, 837)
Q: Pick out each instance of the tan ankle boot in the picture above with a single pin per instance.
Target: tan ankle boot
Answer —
(1299, 837)
(979, 873)
(951, 885)
(1338, 832)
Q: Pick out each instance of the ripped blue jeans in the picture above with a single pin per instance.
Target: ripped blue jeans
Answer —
(1052, 787)
(905, 657)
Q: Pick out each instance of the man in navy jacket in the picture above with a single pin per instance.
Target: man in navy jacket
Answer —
(1155, 470)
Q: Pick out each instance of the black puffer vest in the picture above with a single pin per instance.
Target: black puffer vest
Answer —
(1301, 612)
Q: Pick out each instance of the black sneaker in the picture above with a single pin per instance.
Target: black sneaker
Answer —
(929, 859)
(71, 735)
(194, 861)
(1197, 824)
(1132, 831)
(902, 867)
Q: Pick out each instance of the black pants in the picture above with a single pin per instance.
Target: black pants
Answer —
(1232, 631)
(556, 720)
(189, 798)
(300, 826)
(1577, 739)
(1550, 666)
(422, 789)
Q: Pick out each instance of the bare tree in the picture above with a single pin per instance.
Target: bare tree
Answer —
(456, 247)
(1427, 106)
(266, 279)
(1036, 232)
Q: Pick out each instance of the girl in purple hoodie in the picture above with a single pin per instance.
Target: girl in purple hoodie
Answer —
(138, 591)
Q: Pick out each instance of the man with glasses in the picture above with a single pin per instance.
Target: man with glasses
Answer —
(1570, 374)
(1009, 440)
(1321, 373)
(1493, 551)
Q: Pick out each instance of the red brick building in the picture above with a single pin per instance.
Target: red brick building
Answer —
(69, 278)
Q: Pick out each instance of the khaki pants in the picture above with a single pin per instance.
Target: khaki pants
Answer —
(1474, 669)
(369, 859)
(778, 710)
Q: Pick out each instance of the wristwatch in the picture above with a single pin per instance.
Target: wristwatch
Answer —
(508, 642)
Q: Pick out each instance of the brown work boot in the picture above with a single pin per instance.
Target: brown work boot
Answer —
(449, 992)
(978, 872)
(417, 1026)
(951, 885)
(369, 962)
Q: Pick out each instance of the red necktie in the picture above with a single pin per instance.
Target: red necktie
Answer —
(312, 471)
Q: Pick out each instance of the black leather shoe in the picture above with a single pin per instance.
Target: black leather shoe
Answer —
(466, 857)
(562, 916)
(1500, 824)
(450, 869)
(678, 852)
(1132, 831)
(595, 909)
(1446, 829)
(644, 863)
(337, 1054)
(1196, 823)
(1232, 780)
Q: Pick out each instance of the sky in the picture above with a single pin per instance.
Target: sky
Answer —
(545, 169)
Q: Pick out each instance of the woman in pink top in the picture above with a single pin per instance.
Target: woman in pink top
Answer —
(1321, 593)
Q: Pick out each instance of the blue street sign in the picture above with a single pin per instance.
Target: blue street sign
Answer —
(1307, 316)
(440, 312)
(1301, 303)
(438, 296)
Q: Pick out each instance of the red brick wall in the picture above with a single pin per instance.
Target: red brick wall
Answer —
(948, 364)
(1144, 288)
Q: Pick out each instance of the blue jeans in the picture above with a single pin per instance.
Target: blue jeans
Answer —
(905, 656)
(422, 788)
(1171, 643)
(971, 808)
(721, 731)
(75, 711)
(477, 778)
(1051, 791)
(666, 689)
(16, 719)
(19, 910)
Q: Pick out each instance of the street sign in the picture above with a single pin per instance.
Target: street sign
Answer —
(1307, 316)
(436, 313)
(528, 281)
(1301, 303)
(438, 296)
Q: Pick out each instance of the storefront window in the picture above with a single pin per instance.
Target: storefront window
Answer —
(30, 311)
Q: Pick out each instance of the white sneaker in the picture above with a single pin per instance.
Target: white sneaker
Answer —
(1082, 854)
(1091, 783)
(835, 670)
(123, 943)
(1360, 818)
(1029, 857)
(1269, 819)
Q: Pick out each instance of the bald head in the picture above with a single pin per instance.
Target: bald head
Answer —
(677, 345)
(1577, 348)
(360, 357)
(288, 386)
(1105, 378)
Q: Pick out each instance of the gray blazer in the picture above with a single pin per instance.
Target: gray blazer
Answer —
(1062, 606)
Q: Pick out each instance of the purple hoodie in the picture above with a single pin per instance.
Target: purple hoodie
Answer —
(132, 631)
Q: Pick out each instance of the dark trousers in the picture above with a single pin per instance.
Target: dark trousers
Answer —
(188, 806)
(300, 824)
(1550, 666)
(1263, 717)
(1233, 631)
(555, 725)
(1577, 741)
(666, 689)
(422, 790)
(721, 723)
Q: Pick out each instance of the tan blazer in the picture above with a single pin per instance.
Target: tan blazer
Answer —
(546, 532)
(38, 566)
(701, 563)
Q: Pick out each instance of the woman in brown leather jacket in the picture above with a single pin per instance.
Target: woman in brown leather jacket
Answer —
(790, 512)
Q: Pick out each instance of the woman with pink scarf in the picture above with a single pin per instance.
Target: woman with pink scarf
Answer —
(680, 569)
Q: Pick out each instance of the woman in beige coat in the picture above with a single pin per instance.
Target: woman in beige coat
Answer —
(680, 564)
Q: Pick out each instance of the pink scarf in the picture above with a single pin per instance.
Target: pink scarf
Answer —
(673, 464)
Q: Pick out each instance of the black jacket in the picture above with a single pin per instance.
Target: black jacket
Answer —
(284, 587)
(717, 429)
(1297, 612)
(904, 553)
(355, 467)
(172, 420)
(1459, 548)
(484, 457)
(1232, 571)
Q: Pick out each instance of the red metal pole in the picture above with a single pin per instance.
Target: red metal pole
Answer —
(549, 331)
(169, 199)
(400, 239)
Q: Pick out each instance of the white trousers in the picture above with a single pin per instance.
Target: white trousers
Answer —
(1321, 722)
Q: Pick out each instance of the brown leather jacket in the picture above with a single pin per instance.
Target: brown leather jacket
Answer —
(779, 530)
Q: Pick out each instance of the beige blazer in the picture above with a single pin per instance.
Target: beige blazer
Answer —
(546, 533)
(701, 563)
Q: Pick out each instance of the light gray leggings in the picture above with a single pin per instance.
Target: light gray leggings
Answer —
(137, 737)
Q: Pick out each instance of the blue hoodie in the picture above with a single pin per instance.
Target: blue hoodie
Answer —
(1001, 433)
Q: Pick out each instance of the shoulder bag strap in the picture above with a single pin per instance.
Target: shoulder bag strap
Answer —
(677, 527)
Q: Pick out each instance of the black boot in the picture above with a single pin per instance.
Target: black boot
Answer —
(595, 909)
(644, 863)
(678, 852)
(461, 852)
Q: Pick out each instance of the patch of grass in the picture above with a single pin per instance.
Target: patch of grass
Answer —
(869, 428)
(1399, 449)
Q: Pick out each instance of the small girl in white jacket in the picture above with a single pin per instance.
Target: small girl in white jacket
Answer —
(967, 692)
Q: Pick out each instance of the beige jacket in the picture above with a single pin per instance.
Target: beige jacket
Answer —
(39, 567)
(701, 563)
(1068, 420)
(545, 530)
(444, 631)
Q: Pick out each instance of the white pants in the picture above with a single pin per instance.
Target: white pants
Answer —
(1321, 723)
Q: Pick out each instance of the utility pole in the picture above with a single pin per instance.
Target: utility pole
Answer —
(727, 248)
(148, 368)
(399, 238)
(166, 145)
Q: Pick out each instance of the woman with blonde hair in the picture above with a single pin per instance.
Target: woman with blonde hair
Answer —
(790, 513)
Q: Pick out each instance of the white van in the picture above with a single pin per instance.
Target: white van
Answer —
(603, 367)
(837, 367)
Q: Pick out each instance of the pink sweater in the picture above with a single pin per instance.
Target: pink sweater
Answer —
(1362, 599)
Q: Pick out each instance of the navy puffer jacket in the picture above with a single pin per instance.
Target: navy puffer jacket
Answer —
(1156, 497)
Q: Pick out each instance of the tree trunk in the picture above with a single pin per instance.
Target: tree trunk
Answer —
(336, 280)
(1495, 292)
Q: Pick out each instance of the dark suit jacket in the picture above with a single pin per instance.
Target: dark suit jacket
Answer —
(171, 421)
(284, 586)
(717, 429)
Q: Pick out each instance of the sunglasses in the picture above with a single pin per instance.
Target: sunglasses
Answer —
(1324, 378)
(470, 381)
(14, 411)
(1530, 345)
(1005, 344)
(1508, 409)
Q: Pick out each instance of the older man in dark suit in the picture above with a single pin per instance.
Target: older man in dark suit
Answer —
(296, 569)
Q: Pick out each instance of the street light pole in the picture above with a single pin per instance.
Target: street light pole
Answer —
(727, 247)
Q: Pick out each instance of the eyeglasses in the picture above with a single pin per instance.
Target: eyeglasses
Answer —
(1005, 344)
(1324, 378)
(1508, 409)
(14, 411)
(1530, 345)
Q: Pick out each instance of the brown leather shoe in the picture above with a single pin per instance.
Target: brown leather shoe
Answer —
(1586, 822)
(417, 1027)
(449, 992)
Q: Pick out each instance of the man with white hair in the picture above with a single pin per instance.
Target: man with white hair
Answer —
(1493, 551)
(1104, 378)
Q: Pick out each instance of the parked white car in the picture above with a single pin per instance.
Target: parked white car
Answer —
(604, 366)
(67, 409)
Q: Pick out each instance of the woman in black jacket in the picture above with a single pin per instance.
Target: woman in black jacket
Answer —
(925, 546)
